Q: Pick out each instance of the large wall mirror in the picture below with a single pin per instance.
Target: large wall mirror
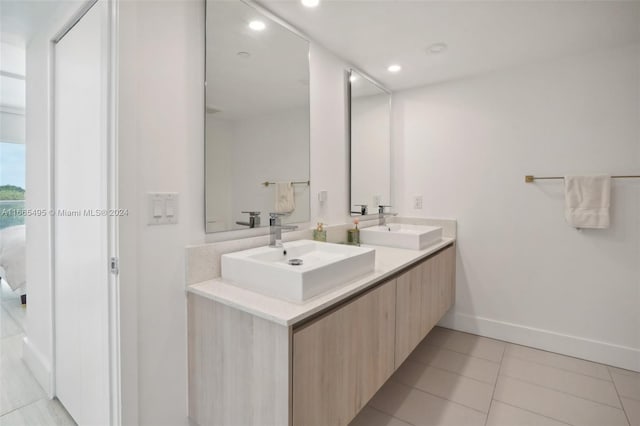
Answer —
(257, 119)
(370, 144)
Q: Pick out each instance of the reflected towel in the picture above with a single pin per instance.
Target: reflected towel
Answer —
(587, 200)
(285, 200)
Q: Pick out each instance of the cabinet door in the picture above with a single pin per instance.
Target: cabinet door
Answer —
(343, 358)
(443, 277)
(409, 330)
(428, 316)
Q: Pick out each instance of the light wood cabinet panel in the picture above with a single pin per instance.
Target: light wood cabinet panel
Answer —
(443, 279)
(238, 367)
(428, 295)
(343, 358)
(409, 330)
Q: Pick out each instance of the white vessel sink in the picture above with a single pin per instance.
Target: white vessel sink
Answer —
(414, 237)
(267, 270)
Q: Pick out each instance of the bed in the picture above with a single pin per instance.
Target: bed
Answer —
(12, 258)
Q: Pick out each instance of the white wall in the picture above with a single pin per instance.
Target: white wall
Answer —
(523, 274)
(161, 149)
(329, 143)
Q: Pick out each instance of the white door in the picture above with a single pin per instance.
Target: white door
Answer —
(81, 244)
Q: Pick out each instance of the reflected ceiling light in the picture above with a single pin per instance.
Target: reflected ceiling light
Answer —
(310, 3)
(436, 48)
(394, 68)
(257, 25)
(353, 78)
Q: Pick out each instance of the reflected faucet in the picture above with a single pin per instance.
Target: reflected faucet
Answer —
(254, 220)
(276, 227)
(363, 209)
(382, 216)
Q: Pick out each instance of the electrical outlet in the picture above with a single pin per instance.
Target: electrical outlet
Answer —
(417, 202)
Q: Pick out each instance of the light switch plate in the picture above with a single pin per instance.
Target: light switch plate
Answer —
(162, 208)
(171, 207)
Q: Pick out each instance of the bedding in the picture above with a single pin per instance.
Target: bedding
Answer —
(12, 257)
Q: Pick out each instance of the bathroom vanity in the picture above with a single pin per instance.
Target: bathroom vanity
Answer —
(256, 360)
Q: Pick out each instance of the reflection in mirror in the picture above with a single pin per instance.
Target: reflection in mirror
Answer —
(370, 141)
(257, 119)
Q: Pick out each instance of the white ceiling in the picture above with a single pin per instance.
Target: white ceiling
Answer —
(481, 35)
(21, 19)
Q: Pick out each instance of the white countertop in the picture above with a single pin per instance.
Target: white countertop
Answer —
(388, 261)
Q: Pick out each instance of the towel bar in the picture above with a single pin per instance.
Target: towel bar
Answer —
(302, 182)
(531, 178)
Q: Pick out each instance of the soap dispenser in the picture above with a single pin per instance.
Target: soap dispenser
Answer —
(353, 235)
(320, 234)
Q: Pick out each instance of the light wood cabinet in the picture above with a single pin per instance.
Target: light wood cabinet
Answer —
(409, 307)
(442, 275)
(245, 370)
(343, 358)
(424, 294)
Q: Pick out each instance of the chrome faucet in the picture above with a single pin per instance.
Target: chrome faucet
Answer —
(276, 227)
(382, 216)
(254, 220)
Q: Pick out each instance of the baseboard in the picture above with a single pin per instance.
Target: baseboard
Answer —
(38, 365)
(579, 347)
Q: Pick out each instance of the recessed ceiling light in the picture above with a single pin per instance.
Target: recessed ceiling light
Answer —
(257, 25)
(310, 3)
(244, 55)
(394, 68)
(436, 48)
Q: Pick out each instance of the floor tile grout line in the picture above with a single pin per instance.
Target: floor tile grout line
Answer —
(18, 321)
(559, 368)
(614, 370)
(449, 371)
(624, 410)
(491, 339)
(426, 343)
(493, 393)
(461, 353)
(528, 410)
(390, 415)
(22, 406)
(438, 396)
(562, 392)
(563, 355)
(531, 347)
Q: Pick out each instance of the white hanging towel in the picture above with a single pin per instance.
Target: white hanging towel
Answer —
(587, 200)
(285, 200)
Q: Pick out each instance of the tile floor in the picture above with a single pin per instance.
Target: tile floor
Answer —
(22, 401)
(452, 378)
(460, 379)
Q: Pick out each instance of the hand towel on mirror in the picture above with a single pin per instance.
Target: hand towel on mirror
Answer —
(285, 200)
